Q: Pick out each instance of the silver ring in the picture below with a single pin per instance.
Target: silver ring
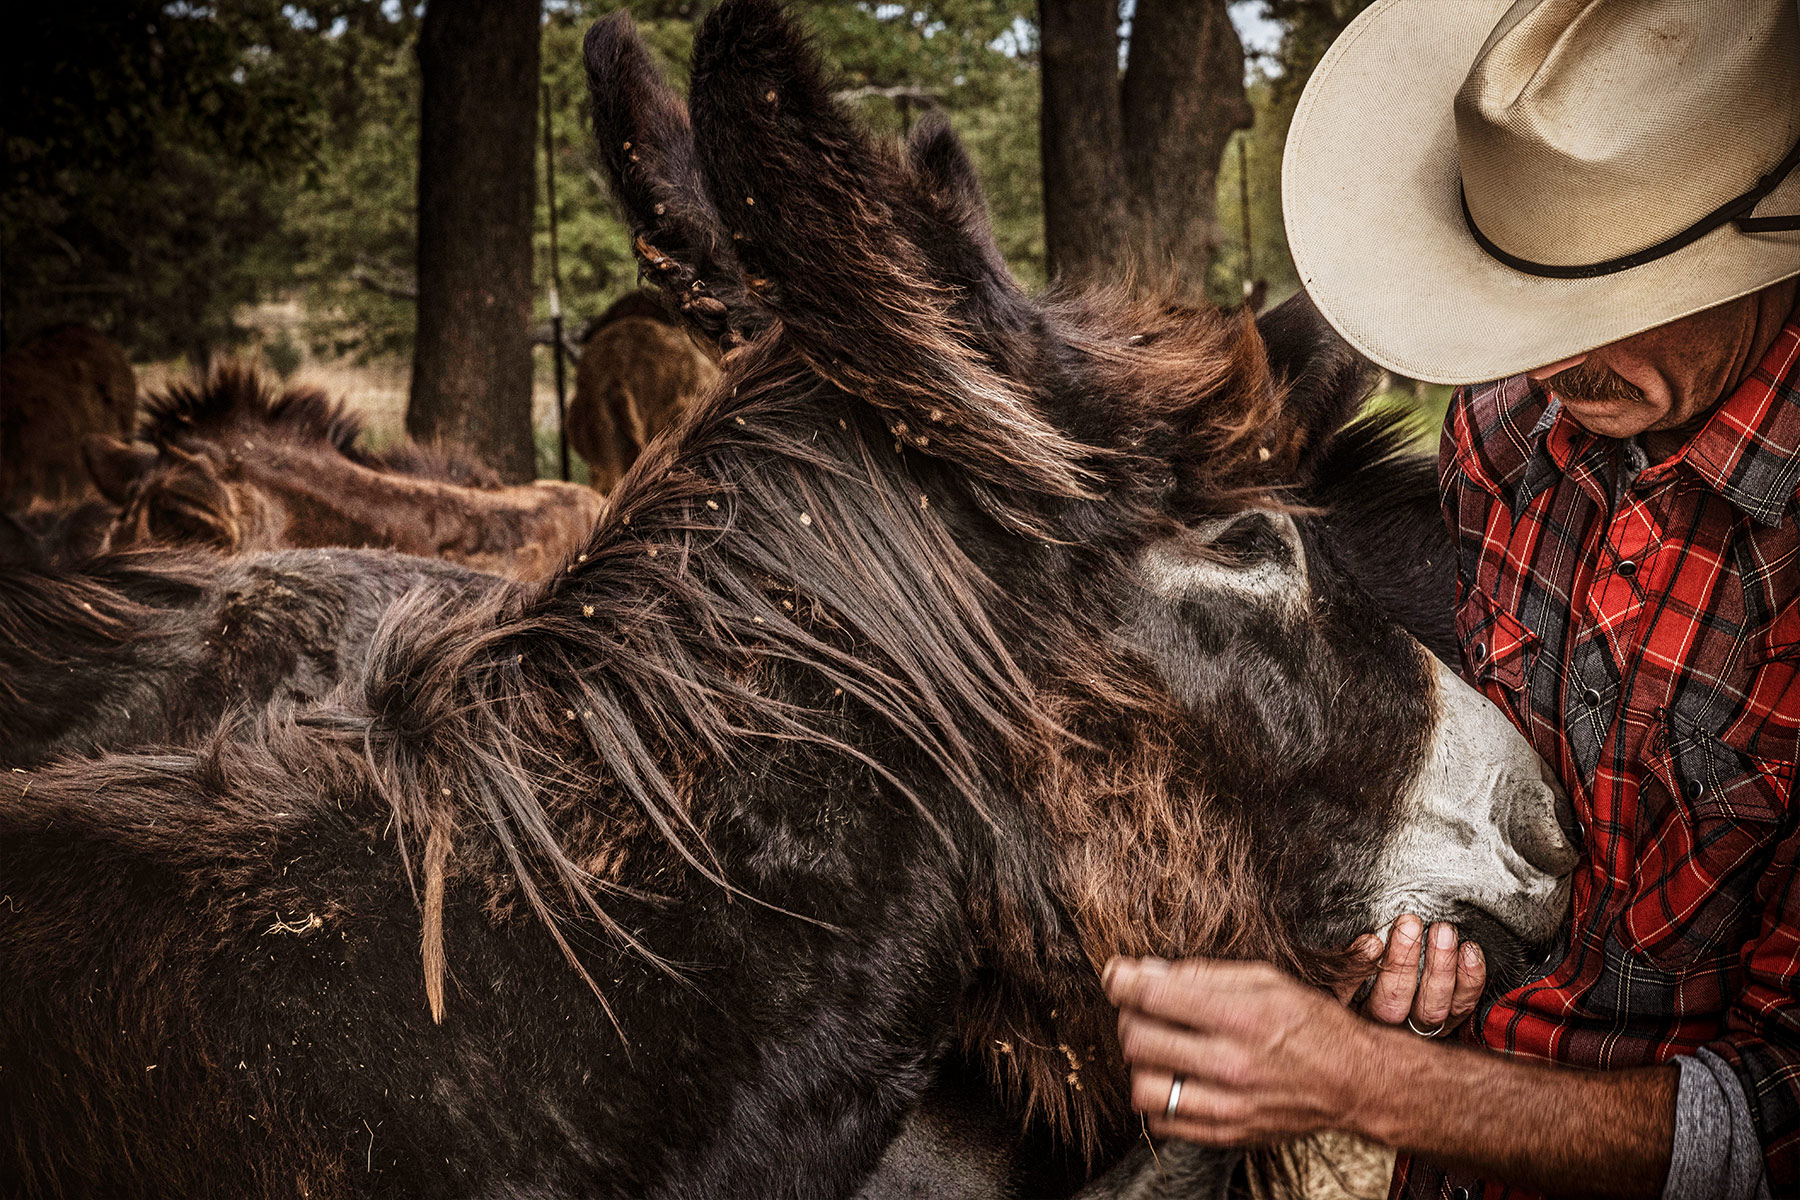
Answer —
(1426, 1033)
(1174, 1099)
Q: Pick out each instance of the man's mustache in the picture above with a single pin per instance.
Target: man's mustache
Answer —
(1593, 384)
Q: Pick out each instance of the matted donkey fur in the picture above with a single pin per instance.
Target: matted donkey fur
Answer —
(143, 648)
(955, 643)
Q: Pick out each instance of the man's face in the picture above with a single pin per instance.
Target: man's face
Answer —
(1664, 378)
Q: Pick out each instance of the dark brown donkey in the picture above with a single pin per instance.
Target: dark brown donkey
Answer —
(238, 465)
(152, 647)
(955, 643)
(66, 384)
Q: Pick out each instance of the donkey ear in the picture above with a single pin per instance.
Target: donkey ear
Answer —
(641, 126)
(1326, 379)
(957, 235)
(115, 464)
(822, 220)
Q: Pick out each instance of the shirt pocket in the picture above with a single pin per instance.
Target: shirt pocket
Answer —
(1780, 642)
(1767, 724)
(1710, 817)
(1714, 780)
(1497, 647)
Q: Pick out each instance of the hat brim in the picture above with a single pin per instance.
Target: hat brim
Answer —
(1370, 189)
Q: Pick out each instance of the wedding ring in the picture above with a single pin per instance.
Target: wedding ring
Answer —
(1174, 1099)
(1426, 1033)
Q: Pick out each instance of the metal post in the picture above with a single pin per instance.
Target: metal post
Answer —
(1244, 211)
(556, 325)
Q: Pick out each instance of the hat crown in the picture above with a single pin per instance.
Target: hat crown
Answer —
(1590, 129)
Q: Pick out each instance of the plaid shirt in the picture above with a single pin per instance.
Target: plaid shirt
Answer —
(1642, 627)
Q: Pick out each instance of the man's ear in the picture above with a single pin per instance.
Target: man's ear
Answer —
(115, 465)
(641, 127)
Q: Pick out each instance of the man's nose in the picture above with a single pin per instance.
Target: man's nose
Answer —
(1543, 373)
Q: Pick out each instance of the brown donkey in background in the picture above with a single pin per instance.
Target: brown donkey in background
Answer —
(237, 465)
(638, 372)
(67, 383)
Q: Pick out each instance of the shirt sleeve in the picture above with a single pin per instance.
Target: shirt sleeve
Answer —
(1761, 1042)
(1717, 1154)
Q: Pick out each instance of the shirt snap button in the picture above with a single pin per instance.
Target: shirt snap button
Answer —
(1461, 1193)
(1627, 569)
(1592, 697)
(1480, 653)
(1694, 788)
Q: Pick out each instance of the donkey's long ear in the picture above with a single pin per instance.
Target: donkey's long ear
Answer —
(824, 223)
(1327, 380)
(641, 126)
(956, 234)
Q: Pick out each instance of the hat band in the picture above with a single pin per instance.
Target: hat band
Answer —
(1732, 212)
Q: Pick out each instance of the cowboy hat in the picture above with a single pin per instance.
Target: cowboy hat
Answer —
(1475, 188)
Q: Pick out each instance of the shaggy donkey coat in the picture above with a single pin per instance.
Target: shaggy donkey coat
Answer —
(851, 735)
(146, 648)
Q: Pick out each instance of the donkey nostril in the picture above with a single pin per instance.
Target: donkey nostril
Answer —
(1543, 829)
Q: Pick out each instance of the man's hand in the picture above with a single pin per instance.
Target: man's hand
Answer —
(1261, 1056)
(1439, 998)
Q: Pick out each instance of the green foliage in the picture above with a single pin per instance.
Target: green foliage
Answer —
(168, 163)
(141, 139)
(354, 215)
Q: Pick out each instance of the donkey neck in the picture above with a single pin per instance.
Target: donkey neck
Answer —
(317, 497)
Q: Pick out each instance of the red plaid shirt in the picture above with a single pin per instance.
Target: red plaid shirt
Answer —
(1644, 633)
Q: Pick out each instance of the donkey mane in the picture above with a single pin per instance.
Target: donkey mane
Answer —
(100, 607)
(1354, 476)
(235, 394)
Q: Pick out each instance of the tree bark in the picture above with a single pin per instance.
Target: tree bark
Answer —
(1081, 132)
(1131, 163)
(471, 381)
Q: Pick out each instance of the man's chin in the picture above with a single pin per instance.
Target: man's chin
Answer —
(1610, 418)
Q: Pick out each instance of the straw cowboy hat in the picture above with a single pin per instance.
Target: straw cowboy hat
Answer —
(1476, 188)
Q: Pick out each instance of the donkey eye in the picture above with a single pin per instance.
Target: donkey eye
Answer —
(174, 523)
(1251, 539)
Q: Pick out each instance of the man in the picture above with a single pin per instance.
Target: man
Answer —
(1593, 202)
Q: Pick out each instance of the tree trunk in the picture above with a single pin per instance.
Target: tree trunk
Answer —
(1131, 164)
(471, 381)
(1087, 209)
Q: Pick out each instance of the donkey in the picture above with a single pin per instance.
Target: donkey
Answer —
(237, 465)
(69, 382)
(637, 372)
(153, 647)
(954, 643)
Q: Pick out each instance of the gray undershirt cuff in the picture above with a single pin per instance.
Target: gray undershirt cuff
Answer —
(1717, 1154)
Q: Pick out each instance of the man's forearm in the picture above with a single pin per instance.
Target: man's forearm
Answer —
(1557, 1129)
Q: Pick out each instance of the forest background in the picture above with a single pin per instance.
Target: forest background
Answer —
(243, 176)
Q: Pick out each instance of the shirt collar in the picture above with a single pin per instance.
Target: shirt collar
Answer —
(1748, 451)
